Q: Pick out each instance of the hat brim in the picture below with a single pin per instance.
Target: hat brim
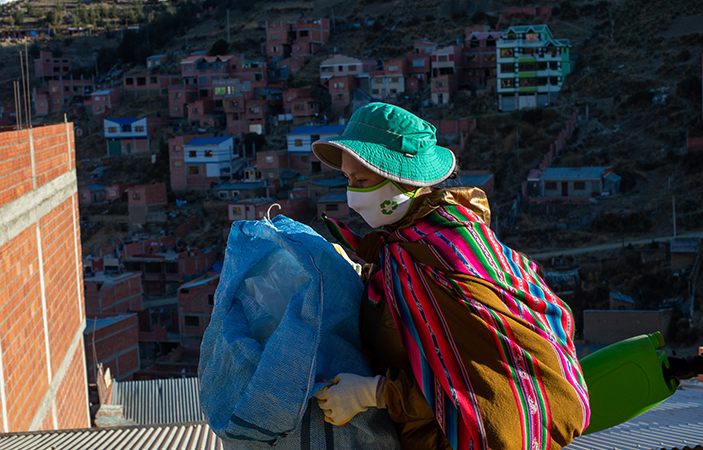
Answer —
(415, 170)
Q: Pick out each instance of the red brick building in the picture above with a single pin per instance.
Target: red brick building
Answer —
(48, 67)
(112, 293)
(147, 203)
(195, 302)
(177, 159)
(114, 339)
(43, 382)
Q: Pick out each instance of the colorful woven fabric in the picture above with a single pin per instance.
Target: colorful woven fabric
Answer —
(446, 250)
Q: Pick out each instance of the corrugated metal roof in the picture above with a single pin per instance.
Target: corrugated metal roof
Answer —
(677, 423)
(561, 173)
(685, 245)
(151, 402)
(208, 141)
(191, 436)
(94, 187)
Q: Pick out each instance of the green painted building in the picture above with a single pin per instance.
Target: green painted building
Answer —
(532, 66)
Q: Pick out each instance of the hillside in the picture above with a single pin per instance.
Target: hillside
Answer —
(635, 85)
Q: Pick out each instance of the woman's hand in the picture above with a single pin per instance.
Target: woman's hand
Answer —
(350, 395)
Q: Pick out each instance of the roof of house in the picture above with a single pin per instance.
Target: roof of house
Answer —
(160, 401)
(466, 180)
(560, 173)
(622, 297)
(483, 35)
(612, 176)
(184, 436)
(287, 175)
(209, 141)
(322, 129)
(685, 245)
(123, 120)
(331, 182)
(103, 322)
(156, 56)
(333, 197)
(94, 187)
(526, 28)
(200, 282)
(677, 423)
(240, 186)
(103, 92)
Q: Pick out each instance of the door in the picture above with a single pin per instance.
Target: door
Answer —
(564, 188)
(129, 148)
(114, 148)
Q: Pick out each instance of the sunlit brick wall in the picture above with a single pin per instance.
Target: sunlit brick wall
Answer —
(43, 381)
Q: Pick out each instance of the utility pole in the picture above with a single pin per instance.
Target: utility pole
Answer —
(673, 210)
(228, 40)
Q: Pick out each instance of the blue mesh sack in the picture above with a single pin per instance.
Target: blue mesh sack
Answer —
(256, 396)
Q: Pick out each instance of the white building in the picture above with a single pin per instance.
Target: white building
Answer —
(212, 156)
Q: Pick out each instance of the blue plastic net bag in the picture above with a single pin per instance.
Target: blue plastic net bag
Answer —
(256, 396)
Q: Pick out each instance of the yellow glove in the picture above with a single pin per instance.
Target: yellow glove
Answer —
(350, 395)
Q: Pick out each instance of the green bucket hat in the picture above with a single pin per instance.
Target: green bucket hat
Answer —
(391, 142)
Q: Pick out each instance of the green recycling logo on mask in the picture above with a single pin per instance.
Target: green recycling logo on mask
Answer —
(390, 205)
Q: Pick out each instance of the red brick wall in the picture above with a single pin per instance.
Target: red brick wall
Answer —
(72, 396)
(33, 315)
(15, 166)
(21, 328)
(116, 345)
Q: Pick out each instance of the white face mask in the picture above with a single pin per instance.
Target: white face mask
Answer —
(382, 204)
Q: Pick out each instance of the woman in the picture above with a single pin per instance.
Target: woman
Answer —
(471, 348)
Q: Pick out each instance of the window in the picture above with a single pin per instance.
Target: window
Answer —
(442, 58)
(339, 85)
(553, 65)
(203, 80)
(177, 163)
(274, 36)
(305, 159)
(192, 321)
(418, 63)
(139, 128)
(254, 110)
(127, 81)
(489, 58)
(298, 142)
(208, 153)
(532, 37)
(507, 83)
(237, 210)
(506, 52)
(392, 68)
(136, 196)
(507, 68)
(152, 80)
(211, 299)
(332, 207)
(223, 194)
(112, 129)
(303, 33)
(352, 68)
(193, 170)
(550, 185)
(580, 185)
(269, 159)
(152, 267)
(472, 58)
(172, 267)
(527, 67)
(187, 67)
(193, 153)
(528, 82)
(439, 84)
